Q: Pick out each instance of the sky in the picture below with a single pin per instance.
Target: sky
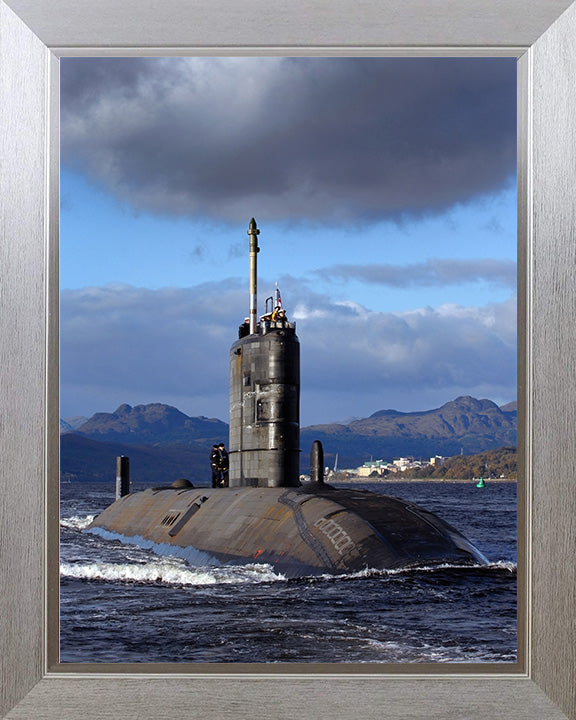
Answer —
(385, 193)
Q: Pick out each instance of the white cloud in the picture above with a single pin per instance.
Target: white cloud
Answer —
(429, 273)
(125, 344)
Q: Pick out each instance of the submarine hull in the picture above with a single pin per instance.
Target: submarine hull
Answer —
(265, 515)
(310, 530)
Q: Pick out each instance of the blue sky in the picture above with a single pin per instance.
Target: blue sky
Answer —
(386, 197)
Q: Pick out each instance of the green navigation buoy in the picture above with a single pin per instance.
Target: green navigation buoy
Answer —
(481, 483)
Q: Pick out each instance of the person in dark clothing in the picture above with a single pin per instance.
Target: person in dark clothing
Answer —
(215, 466)
(223, 465)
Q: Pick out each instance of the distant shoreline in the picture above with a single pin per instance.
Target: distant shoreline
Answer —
(389, 480)
(355, 480)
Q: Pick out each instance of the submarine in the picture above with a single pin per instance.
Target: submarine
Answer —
(264, 514)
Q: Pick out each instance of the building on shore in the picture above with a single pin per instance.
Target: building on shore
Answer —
(399, 465)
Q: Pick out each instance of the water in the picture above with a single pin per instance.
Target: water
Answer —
(120, 603)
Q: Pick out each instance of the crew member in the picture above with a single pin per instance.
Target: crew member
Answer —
(215, 465)
(223, 465)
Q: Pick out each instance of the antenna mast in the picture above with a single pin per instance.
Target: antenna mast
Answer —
(253, 233)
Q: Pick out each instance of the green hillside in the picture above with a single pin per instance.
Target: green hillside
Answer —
(487, 464)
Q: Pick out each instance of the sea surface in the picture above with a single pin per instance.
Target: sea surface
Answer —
(121, 603)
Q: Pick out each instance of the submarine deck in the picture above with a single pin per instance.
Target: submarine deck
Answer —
(313, 529)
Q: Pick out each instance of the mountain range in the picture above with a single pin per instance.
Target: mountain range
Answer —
(165, 443)
(154, 424)
(464, 425)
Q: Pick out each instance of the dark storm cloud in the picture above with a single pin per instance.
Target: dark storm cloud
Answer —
(432, 272)
(125, 344)
(326, 139)
(84, 81)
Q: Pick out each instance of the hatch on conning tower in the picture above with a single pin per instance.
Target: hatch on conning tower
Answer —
(264, 393)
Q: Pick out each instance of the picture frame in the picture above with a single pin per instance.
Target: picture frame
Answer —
(33, 35)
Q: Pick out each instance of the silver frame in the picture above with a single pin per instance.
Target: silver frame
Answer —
(33, 35)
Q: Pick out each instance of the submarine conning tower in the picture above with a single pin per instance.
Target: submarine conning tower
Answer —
(264, 393)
